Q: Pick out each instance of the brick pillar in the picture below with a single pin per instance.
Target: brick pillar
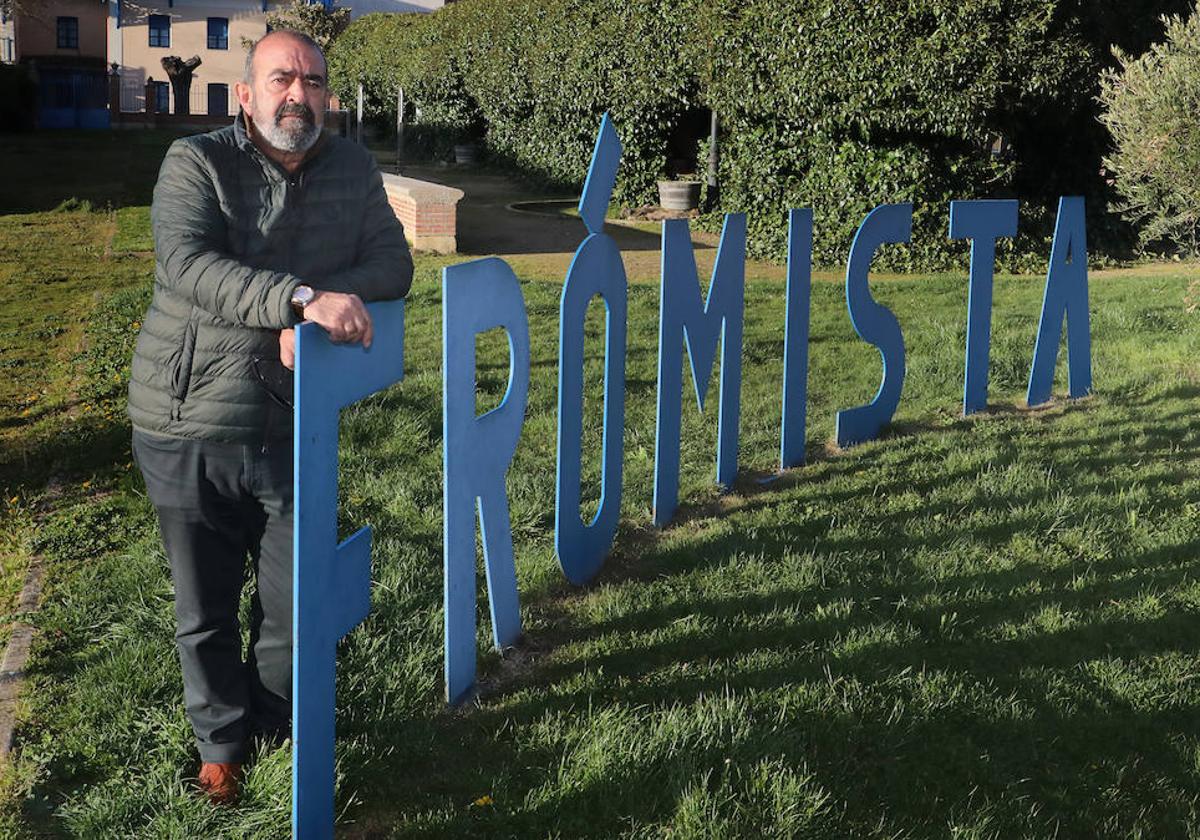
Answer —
(150, 96)
(428, 212)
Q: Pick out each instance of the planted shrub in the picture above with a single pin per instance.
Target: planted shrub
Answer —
(1152, 108)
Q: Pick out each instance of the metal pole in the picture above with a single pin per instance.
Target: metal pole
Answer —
(399, 127)
(713, 160)
(358, 134)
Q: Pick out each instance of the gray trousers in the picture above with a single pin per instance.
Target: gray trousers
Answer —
(218, 505)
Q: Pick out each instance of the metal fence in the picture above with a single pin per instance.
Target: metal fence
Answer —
(133, 97)
(200, 100)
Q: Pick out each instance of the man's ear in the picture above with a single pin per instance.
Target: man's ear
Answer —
(244, 95)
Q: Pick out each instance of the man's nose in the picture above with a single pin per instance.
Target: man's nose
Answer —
(295, 91)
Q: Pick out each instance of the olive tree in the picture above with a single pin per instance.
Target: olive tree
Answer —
(1152, 108)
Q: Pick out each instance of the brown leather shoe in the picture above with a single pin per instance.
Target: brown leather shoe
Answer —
(220, 782)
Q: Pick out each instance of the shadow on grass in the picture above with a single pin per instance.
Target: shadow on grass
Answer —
(44, 168)
(948, 646)
(68, 450)
(1013, 690)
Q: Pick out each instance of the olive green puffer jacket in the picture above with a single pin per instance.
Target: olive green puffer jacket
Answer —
(234, 234)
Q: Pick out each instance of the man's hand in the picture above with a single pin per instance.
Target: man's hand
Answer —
(343, 316)
(287, 348)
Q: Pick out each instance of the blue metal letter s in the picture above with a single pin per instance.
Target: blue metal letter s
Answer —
(875, 323)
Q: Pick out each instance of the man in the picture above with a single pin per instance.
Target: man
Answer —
(257, 226)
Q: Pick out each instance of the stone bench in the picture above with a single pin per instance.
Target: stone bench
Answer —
(428, 212)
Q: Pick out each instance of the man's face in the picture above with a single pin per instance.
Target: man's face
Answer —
(286, 97)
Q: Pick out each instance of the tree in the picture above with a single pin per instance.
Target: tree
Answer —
(1151, 106)
(316, 21)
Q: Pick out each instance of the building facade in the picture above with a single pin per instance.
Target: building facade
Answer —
(64, 43)
(62, 32)
(99, 62)
(142, 35)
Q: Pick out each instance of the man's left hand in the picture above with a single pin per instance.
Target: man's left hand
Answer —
(341, 315)
(287, 348)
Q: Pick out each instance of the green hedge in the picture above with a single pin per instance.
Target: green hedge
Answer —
(384, 51)
(555, 67)
(835, 104)
(532, 77)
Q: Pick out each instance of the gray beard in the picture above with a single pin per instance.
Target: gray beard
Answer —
(294, 138)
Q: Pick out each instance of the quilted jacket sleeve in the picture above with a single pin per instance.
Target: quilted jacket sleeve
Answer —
(383, 269)
(189, 238)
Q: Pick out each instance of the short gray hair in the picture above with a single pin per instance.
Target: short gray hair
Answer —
(248, 73)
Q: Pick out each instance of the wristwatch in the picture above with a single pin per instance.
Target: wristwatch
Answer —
(302, 296)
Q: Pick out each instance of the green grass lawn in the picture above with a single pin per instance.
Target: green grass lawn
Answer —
(73, 217)
(983, 628)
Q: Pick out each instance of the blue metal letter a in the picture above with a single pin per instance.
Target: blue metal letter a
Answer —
(1066, 292)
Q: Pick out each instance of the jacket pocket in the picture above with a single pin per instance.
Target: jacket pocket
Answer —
(181, 370)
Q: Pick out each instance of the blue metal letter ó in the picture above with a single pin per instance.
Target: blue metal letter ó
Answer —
(597, 270)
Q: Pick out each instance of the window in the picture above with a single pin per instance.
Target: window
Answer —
(162, 97)
(218, 33)
(218, 100)
(68, 33)
(7, 53)
(160, 31)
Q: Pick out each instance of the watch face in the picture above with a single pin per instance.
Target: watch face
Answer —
(302, 296)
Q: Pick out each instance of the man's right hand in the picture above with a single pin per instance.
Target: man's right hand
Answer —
(343, 316)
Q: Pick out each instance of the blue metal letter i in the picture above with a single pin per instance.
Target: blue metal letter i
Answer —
(332, 583)
(795, 338)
